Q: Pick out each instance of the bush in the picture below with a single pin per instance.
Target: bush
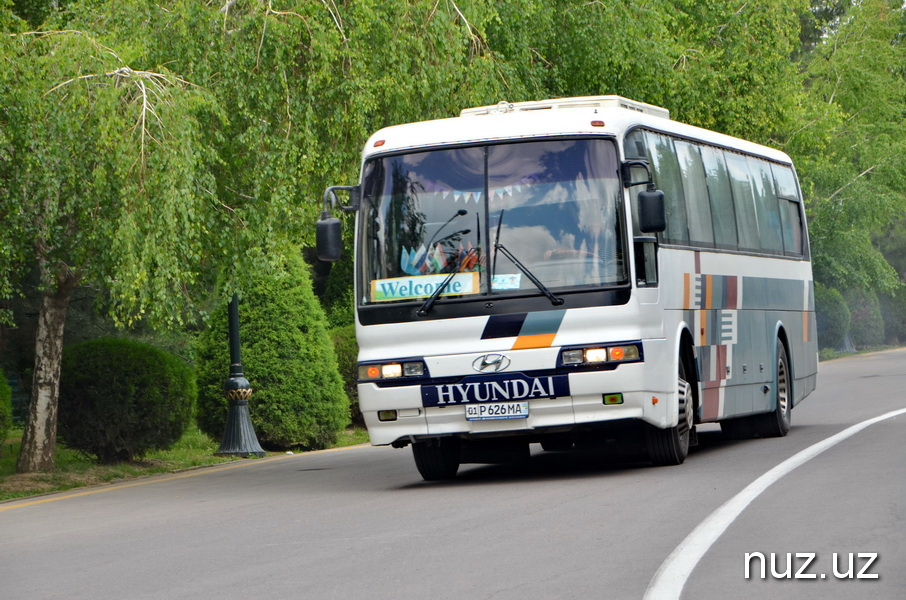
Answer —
(347, 360)
(832, 314)
(120, 399)
(288, 358)
(893, 310)
(6, 410)
(867, 325)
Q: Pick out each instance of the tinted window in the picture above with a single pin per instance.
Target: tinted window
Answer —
(790, 214)
(721, 198)
(668, 177)
(698, 207)
(766, 208)
(743, 201)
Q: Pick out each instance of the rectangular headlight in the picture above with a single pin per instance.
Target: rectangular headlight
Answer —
(596, 355)
(391, 370)
(573, 357)
(413, 369)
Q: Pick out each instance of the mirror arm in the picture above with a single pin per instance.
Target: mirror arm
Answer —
(331, 200)
(627, 167)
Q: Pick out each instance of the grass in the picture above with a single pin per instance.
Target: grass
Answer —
(75, 469)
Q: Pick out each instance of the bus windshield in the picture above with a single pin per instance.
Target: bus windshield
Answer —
(443, 216)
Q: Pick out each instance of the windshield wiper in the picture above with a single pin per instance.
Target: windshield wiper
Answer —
(544, 289)
(426, 306)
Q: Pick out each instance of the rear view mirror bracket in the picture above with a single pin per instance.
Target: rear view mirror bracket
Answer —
(329, 229)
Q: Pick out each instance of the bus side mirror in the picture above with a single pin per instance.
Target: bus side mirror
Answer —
(652, 211)
(328, 238)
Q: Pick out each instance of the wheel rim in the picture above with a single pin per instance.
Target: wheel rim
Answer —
(783, 389)
(685, 397)
(685, 410)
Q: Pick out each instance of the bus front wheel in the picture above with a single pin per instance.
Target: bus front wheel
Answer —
(671, 446)
(438, 458)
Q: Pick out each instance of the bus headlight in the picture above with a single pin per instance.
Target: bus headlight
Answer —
(601, 355)
(391, 370)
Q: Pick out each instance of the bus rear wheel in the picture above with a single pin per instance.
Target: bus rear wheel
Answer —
(437, 459)
(671, 446)
(777, 422)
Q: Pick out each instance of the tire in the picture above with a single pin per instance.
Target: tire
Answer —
(671, 446)
(437, 459)
(777, 422)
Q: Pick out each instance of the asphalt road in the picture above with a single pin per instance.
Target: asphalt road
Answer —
(360, 523)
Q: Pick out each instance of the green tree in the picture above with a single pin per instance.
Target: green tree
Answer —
(733, 71)
(103, 182)
(856, 185)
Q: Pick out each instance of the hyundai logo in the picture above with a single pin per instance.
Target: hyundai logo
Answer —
(491, 363)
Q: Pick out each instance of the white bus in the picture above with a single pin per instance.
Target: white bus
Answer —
(553, 272)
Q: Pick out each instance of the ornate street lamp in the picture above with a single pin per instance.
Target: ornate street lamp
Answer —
(239, 438)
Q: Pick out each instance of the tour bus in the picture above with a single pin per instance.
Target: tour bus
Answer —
(570, 271)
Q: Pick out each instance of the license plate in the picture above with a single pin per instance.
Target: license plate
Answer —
(497, 410)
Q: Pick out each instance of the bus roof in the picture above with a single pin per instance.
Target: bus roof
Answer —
(586, 115)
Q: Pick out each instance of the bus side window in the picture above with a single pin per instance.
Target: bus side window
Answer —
(790, 214)
(668, 177)
(766, 207)
(698, 208)
(743, 201)
(721, 198)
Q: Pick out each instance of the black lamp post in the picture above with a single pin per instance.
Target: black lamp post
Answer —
(239, 437)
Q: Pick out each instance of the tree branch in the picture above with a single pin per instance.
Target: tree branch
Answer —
(854, 179)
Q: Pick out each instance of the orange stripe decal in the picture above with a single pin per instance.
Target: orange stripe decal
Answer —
(543, 340)
(687, 288)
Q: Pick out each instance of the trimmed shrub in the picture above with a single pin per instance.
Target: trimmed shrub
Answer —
(893, 310)
(288, 358)
(832, 314)
(6, 410)
(867, 325)
(120, 398)
(347, 350)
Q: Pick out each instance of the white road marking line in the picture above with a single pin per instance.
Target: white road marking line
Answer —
(668, 582)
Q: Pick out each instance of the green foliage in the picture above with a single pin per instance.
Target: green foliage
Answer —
(120, 399)
(867, 324)
(36, 11)
(893, 309)
(106, 175)
(732, 67)
(288, 358)
(856, 185)
(344, 343)
(832, 314)
(6, 410)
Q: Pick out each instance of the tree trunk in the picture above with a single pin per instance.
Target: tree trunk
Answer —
(40, 436)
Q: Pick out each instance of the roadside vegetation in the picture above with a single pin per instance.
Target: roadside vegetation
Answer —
(76, 469)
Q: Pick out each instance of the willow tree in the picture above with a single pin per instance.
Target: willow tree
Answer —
(119, 174)
(103, 182)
